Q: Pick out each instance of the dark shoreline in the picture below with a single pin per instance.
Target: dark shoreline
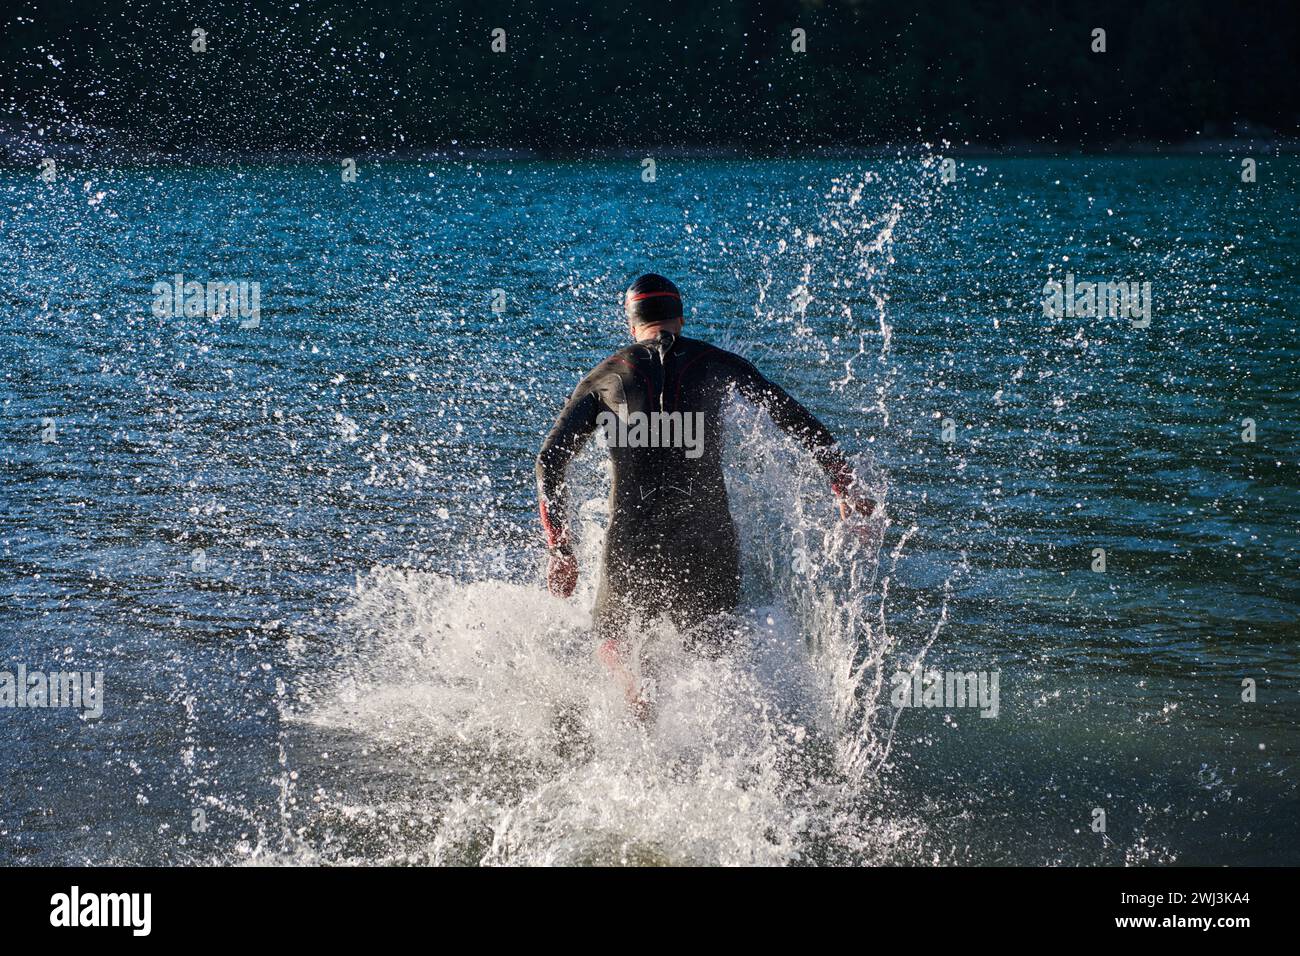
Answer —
(80, 156)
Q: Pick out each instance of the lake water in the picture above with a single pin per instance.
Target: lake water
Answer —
(303, 550)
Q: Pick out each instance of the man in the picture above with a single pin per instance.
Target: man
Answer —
(670, 548)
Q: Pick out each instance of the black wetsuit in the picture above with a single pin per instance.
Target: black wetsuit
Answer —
(671, 546)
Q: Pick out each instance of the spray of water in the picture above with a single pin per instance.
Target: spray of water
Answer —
(476, 725)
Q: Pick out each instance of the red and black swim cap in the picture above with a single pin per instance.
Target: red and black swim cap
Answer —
(652, 298)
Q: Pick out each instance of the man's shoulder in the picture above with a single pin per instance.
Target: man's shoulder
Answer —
(612, 363)
(696, 349)
(635, 353)
(688, 349)
(616, 364)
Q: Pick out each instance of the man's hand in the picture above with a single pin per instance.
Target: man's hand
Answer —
(854, 503)
(856, 511)
(562, 574)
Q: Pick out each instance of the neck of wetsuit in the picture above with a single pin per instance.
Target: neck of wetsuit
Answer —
(660, 346)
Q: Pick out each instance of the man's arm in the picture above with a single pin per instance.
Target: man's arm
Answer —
(804, 427)
(576, 423)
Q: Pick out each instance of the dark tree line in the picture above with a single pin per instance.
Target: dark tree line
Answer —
(325, 76)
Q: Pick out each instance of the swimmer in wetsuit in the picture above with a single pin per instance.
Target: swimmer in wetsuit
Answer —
(671, 547)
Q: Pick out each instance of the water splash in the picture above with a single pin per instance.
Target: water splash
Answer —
(503, 740)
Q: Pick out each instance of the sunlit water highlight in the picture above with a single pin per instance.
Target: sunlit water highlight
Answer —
(367, 668)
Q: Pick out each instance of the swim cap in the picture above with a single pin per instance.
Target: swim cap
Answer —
(652, 298)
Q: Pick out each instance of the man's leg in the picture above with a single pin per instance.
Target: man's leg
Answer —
(611, 618)
(705, 611)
